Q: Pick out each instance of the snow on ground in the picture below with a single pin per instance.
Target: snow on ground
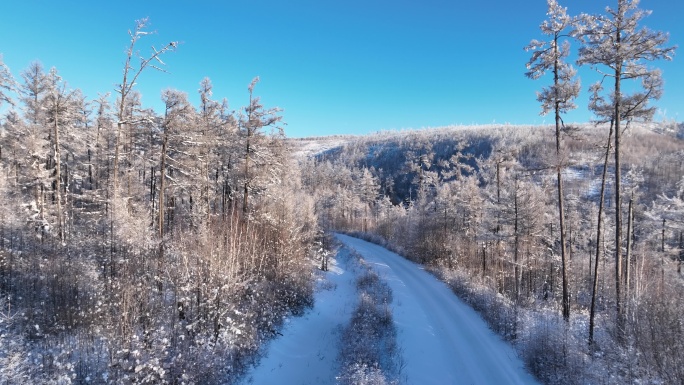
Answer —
(443, 340)
(307, 351)
(307, 147)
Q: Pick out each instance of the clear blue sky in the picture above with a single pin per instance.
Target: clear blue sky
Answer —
(335, 67)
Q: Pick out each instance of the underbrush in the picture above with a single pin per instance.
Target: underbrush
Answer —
(548, 346)
(369, 353)
(196, 313)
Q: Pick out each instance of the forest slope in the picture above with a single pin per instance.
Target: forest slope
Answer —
(478, 206)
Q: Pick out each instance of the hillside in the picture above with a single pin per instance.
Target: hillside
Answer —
(478, 207)
(394, 156)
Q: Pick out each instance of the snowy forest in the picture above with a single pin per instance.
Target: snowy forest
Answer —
(143, 246)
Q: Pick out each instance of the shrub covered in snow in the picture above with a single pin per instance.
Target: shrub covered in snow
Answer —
(368, 349)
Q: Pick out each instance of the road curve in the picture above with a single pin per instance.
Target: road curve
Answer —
(444, 341)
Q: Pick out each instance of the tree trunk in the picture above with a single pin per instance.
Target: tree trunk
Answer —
(516, 250)
(245, 201)
(561, 219)
(628, 256)
(681, 252)
(58, 179)
(484, 258)
(662, 238)
(162, 186)
(592, 309)
(117, 146)
(90, 170)
(559, 174)
(618, 201)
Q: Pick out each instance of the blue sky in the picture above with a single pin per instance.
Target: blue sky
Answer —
(335, 67)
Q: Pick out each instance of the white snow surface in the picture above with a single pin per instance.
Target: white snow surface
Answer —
(307, 351)
(308, 147)
(443, 340)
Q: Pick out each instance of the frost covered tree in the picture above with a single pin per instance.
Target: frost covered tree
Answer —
(128, 82)
(33, 151)
(368, 189)
(219, 150)
(58, 105)
(256, 153)
(550, 56)
(32, 90)
(178, 117)
(102, 124)
(6, 83)
(617, 42)
(210, 123)
(88, 291)
(669, 210)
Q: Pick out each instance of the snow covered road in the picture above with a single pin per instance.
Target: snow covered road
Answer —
(444, 341)
(307, 351)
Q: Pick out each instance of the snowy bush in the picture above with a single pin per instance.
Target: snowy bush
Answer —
(14, 360)
(361, 374)
(368, 349)
(497, 310)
